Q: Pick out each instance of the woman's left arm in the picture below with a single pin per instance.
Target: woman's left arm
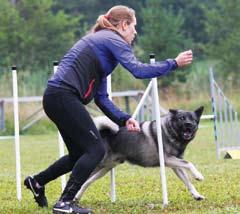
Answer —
(125, 56)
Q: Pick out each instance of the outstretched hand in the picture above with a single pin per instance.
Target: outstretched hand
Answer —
(132, 125)
(184, 58)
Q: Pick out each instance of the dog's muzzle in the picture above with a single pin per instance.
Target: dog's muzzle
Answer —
(189, 131)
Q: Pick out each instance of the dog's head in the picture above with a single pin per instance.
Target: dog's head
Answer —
(185, 123)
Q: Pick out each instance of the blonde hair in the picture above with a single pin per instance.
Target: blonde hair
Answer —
(113, 17)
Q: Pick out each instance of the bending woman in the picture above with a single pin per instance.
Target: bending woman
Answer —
(80, 78)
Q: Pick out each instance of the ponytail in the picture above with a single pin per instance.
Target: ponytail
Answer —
(113, 17)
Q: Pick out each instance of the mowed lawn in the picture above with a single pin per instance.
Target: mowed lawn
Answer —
(138, 189)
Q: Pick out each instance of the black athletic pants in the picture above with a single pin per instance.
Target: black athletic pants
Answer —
(79, 133)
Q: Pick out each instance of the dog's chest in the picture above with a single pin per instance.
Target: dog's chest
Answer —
(174, 148)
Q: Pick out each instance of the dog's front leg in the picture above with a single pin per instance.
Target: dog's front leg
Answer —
(89, 181)
(184, 177)
(174, 162)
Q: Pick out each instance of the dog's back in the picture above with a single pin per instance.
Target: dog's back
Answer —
(136, 147)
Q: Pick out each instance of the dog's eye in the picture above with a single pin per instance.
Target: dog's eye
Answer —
(182, 118)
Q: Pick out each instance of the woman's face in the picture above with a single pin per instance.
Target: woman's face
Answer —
(128, 31)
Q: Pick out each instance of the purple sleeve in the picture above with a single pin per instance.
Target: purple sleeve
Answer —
(106, 105)
(125, 56)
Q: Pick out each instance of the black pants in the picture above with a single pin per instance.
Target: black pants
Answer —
(79, 133)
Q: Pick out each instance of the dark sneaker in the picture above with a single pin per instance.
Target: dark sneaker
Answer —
(69, 207)
(38, 193)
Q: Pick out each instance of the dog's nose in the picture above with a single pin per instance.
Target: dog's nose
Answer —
(188, 125)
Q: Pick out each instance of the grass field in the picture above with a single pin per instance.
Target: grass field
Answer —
(138, 189)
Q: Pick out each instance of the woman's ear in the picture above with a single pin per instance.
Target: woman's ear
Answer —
(124, 25)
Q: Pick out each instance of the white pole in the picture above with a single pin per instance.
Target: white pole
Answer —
(60, 140)
(113, 184)
(159, 136)
(146, 93)
(16, 131)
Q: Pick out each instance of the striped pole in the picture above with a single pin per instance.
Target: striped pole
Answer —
(16, 132)
(60, 140)
(214, 109)
(159, 136)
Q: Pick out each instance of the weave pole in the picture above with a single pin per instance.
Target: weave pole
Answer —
(159, 136)
(226, 125)
(152, 85)
(214, 109)
(16, 132)
(60, 140)
(112, 173)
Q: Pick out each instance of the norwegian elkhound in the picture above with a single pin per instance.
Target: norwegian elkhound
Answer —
(141, 148)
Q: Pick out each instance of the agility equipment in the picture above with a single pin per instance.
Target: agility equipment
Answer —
(16, 132)
(60, 139)
(226, 125)
(150, 94)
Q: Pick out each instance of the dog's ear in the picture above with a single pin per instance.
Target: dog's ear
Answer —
(199, 111)
(173, 111)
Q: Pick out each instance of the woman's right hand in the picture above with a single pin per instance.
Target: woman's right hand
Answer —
(184, 58)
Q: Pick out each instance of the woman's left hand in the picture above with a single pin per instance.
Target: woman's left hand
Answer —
(132, 125)
(184, 58)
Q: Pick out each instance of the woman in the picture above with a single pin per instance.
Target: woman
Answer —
(81, 77)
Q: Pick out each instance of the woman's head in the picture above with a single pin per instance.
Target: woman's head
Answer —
(119, 18)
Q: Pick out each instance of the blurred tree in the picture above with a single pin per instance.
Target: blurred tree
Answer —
(10, 23)
(193, 14)
(162, 34)
(91, 9)
(223, 29)
(32, 35)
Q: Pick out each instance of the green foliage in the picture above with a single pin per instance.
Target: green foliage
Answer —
(162, 34)
(30, 82)
(91, 9)
(9, 26)
(223, 31)
(161, 31)
(32, 35)
(44, 126)
(123, 80)
(35, 33)
(194, 17)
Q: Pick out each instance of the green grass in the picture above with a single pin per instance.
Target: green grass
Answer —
(138, 189)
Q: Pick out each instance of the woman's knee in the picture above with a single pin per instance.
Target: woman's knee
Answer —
(74, 156)
(98, 150)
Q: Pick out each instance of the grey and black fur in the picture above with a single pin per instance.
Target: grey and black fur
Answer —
(178, 129)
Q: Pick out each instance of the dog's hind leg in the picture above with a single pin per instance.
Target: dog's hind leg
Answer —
(184, 177)
(100, 173)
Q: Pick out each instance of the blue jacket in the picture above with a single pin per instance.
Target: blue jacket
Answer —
(84, 69)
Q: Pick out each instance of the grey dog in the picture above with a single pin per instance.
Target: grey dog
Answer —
(141, 148)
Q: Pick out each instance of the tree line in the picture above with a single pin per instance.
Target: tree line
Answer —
(35, 33)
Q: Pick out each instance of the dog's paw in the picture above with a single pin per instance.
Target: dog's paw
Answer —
(198, 176)
(198, 197)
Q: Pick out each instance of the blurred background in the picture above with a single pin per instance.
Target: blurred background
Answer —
(33, 34)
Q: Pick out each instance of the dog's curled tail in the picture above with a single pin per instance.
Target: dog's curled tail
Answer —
(104, 123)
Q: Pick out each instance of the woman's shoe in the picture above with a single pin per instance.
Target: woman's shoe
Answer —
(69, 207)
(37, 191)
